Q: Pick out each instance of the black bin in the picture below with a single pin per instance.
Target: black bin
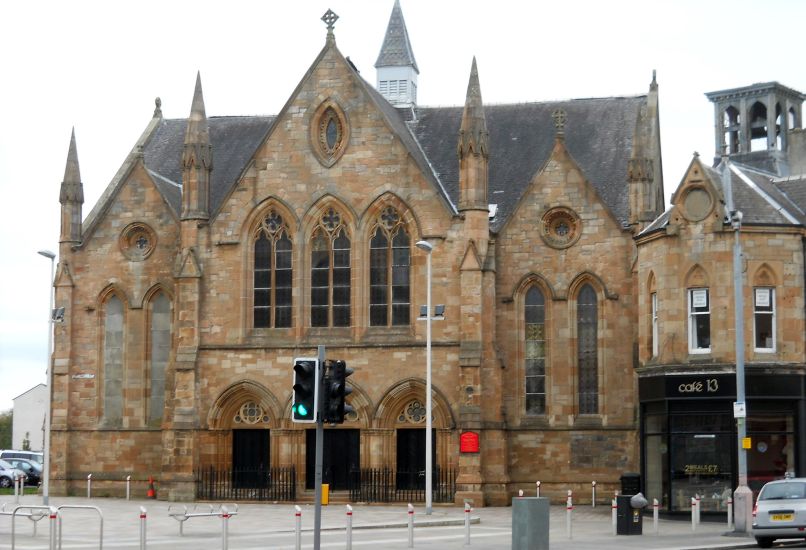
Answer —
(630, 483)
(629, 520)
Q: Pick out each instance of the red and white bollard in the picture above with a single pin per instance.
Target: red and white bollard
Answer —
(411, 526)
(693, 514)
(730, 513)
(538, 488)
(593, 494)
(349, 527)
(569, 508)
(614, 515)
(655, 515)
(298, 527)
(699, 507)
(54, 516)
(142, 528)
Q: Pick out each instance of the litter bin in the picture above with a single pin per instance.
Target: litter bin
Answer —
(630, 483)
(629, 520)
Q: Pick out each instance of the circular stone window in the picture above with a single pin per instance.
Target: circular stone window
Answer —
(560, 227)
(137, 241)
(697, 204)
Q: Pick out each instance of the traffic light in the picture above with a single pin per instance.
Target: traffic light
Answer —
(336, 390)
(306, 389)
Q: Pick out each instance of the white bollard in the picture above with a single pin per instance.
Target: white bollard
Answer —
(613, 514)
(17, 489)
(569, 508)
(225, 515)
(411, 526)
(520, 492)
(593, 494)
(54, 515)
(730, 513)
(89, 485)
(142, 528)
(655, 515)
(699, 507)
(693, 514)
(298, 527)
(467, 523)
(128, 487)
(349, 527)
(538, 488)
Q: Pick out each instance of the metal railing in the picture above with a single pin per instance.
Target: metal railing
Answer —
(388, 485)
(268, 484)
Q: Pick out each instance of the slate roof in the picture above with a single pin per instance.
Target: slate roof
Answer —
(234, 140)
(598, 135)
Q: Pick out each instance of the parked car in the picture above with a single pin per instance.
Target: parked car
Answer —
(34, 456)
(8, 473)
(780, 511)
(32, 469)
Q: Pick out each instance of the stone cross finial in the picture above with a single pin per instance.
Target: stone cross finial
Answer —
(157, 107)
(560, 118)
(330, 19)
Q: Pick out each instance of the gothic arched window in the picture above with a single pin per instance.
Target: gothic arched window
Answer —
(160, 340)
(534, 310)
(330, 272)
(113, 350)
(272, 298)
(587, 350)
(389, 258)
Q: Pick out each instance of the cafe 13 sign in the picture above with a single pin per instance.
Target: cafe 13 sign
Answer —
(719, 385)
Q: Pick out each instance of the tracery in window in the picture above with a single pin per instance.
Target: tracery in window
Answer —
(160, 340)
(272, 273)
(330, 272)
(390, 258)
(587, 350)
(251, 413)
(535, 351)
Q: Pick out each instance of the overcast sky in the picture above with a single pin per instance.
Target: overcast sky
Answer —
(97, 66)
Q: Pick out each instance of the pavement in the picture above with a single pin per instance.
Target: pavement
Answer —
(272, 526)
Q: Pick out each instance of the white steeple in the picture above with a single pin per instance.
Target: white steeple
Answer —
(396, 66)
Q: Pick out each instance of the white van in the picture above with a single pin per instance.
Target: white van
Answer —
(28, 455)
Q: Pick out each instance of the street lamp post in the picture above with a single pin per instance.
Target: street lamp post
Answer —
(427, 247)
(49, 374)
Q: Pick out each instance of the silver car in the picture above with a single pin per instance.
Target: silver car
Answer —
(8, 474)
(780, 511)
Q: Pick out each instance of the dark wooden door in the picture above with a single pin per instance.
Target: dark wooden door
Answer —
(411, 458)
(250, 456)
(341, 454)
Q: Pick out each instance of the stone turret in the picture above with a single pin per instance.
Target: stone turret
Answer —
(473, 149)
(71, 196)
(197, 161)
(644, 170)
(397, 68)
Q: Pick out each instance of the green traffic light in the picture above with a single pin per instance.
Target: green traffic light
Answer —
(301, 410)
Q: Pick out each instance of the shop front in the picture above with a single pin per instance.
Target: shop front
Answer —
(689, 441)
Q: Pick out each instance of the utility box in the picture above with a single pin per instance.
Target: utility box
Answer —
(630, 483)
(629, 520)
(325, 494)
(530, 523)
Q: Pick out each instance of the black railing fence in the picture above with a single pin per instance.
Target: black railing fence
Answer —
(387, 485)
(274, 484)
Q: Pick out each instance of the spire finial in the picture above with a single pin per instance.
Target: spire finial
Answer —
(72, 190)
(473, 130)
(157, 108)
(654, 84)
(560, 118)
(330, 19)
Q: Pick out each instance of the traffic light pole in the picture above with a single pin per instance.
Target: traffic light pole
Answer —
(320, 443)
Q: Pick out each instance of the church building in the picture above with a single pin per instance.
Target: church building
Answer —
(564, 295)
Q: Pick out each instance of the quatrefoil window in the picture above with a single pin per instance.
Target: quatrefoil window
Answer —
(137, 241)
(251, 413)
(329, 132)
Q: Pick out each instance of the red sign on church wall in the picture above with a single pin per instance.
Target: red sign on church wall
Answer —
(469, 442)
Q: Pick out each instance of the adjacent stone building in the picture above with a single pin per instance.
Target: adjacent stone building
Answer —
(226, 246)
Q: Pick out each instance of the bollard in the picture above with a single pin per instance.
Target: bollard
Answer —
(128, 487)
(613, 515)
(89, 485)
(467, 523)
(16, 489)
(655, 515)
(697, 498)
(569, 508)
(693, 514)
(54, 514)
(411, 526)
(730, 513)
(225, 515)
(349, 527)
(538, 488)
(298, 527)
(520, 492)
(142, 528)
(593, 494)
